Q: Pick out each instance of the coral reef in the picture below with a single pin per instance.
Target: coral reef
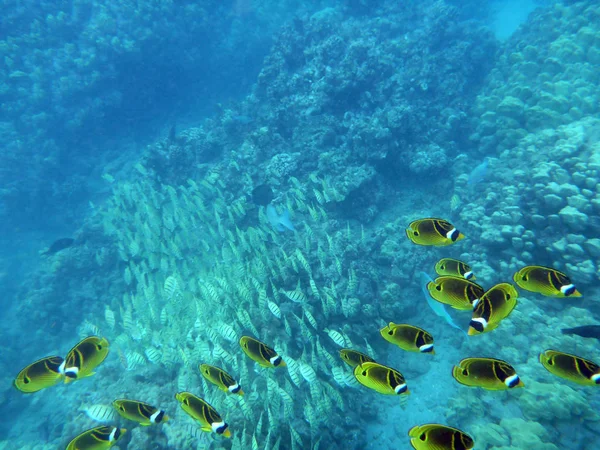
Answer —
(356, 114)
(79, 78)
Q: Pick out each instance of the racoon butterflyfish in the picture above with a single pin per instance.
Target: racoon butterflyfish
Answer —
(221, 379)
(455, 291)
(139, 412)
(84, 358)
(39, 375)
(199, 410)
(408, 337)
(487, 373)
(454, 268)
(99, 438)
(353, 358)
(433, 436)
(546, 281)
(431, 231)
(494, 306)
(260, 352)
(571, 367)
(380, 378)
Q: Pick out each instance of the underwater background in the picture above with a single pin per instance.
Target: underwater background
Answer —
(249, 167)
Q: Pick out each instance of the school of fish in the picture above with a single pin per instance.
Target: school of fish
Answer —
(455, 286)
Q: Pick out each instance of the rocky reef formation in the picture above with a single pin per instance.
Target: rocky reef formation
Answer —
(368, 115)
(79, 78)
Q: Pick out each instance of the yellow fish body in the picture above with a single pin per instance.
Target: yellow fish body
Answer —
(546, 281)
(457, 292)
(487, 373)
(354, 358)
(571, 367)
(432, 231)
(84, 358)
(221, 379)
(380, 378)
(494, 306)
(454, 268)
(39, 375)
(408, 337)
(260, 352)
(433, 436)
(205, 414)
(99, 438)
(139, 412)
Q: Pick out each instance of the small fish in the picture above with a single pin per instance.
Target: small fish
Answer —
(478, 173)
(382, 379)
(493, 307)
(139, 412)
(39, 375)
(433, 436)
(221, 379)
(546, 281)
(438, 308)
(99, 438)
(586, 331)
(59, 245)
(571, 367)
(295, 296)
(242, 119)
(454, 268)
(199, 410)
(279, 222)
(354, 358)
(84, 358)
(262, 195)
(264, 355)
(408, 337)
(487, 373)
(454, 202)
(337, 337)
(431, 231)
(172, 136)
(457, 292)
(100, 413)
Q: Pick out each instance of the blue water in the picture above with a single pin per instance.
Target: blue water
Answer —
(140, 130)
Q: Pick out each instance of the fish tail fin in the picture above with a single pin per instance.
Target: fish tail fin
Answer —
(286, 221)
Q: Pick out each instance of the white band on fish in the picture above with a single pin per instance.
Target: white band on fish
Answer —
(450, 234)
(426, 348)
(113, 434)
(154, 416)
(567, 289)
(216, 426)
(479, 320)
(512, 381)
(400, 388)
(72, 372)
